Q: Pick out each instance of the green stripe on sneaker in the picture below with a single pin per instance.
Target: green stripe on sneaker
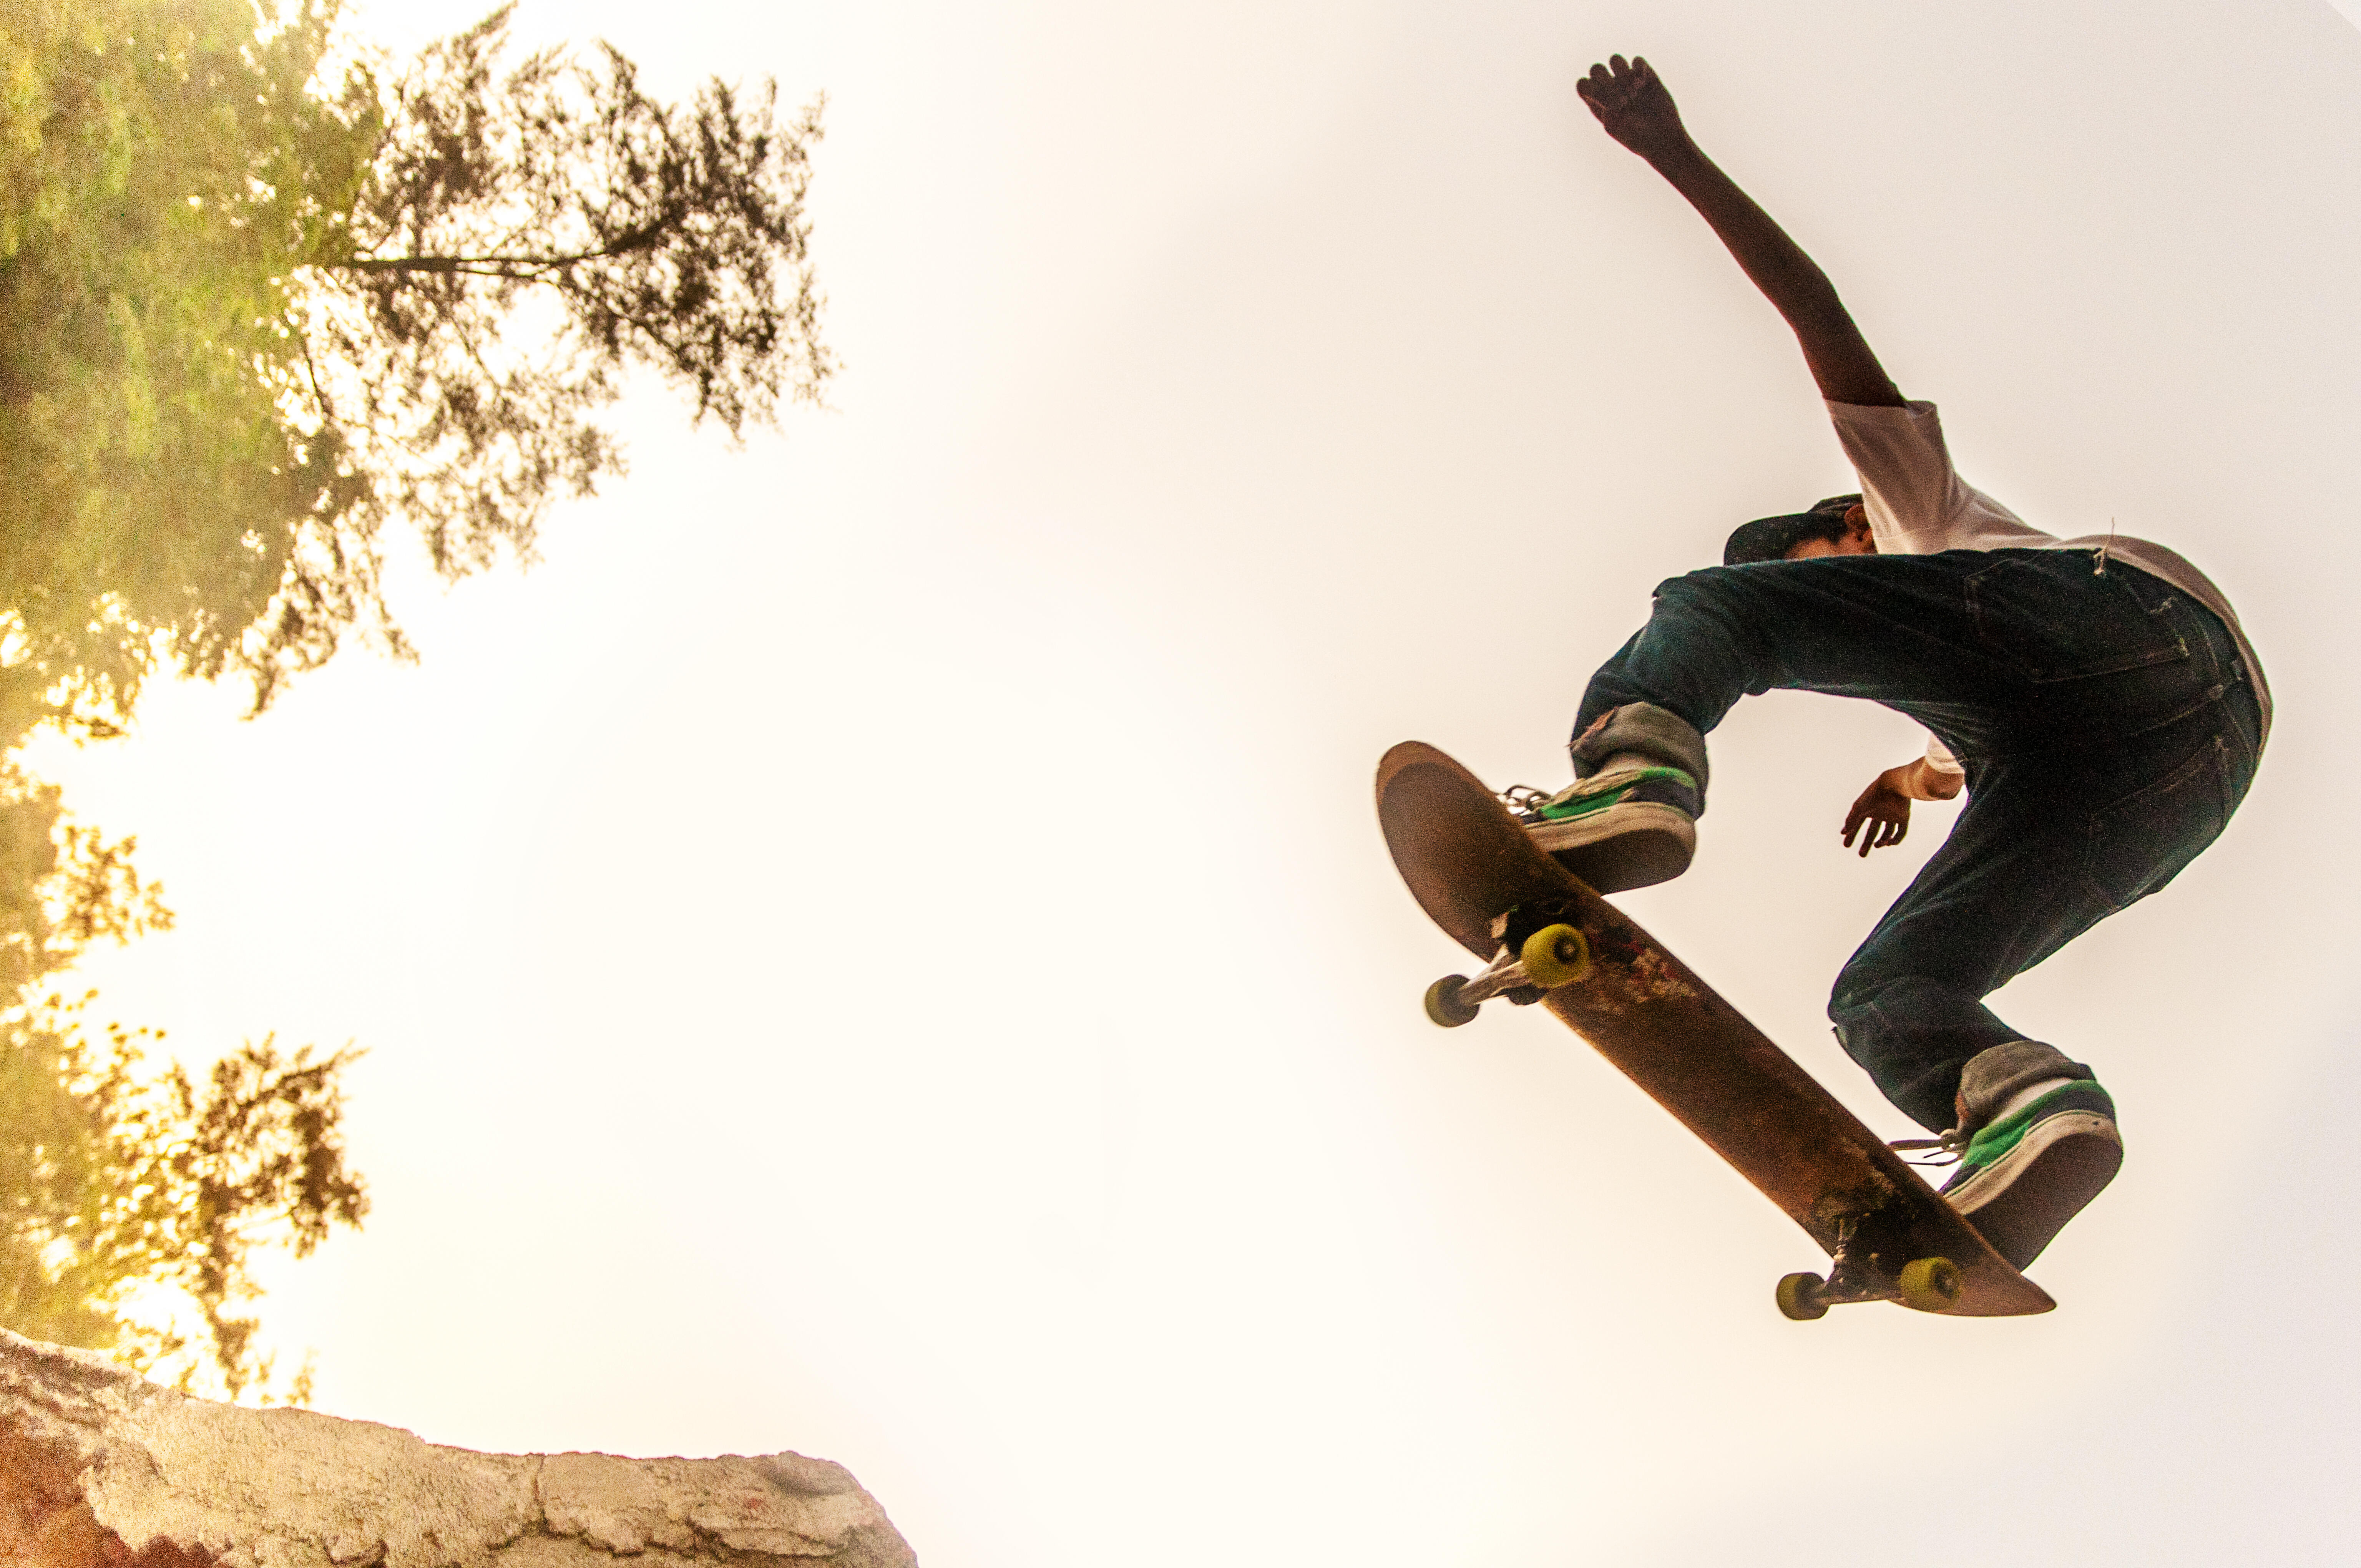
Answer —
(1586, 795)
(1989, 1145)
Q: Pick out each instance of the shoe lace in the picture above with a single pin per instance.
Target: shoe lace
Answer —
(1524, 797)
(1942, 1149)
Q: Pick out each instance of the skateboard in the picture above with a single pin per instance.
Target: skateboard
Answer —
(1548, 938)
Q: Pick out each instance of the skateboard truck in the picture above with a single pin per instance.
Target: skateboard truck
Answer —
(1538, 953)
(1924, 1283)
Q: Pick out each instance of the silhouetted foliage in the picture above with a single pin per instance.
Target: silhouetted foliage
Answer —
(262, 298)
(266, 302)
(62, 885)
(131, 1199)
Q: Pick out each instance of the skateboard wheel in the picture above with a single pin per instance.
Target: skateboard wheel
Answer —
(1443, 1005)
(1800, 1298)
(1556, 956)
(1930, 1284)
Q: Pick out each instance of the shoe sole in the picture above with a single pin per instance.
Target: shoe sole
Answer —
(2024, 1200)
(1634, 845)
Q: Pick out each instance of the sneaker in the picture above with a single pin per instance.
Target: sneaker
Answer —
(1632, 824)
(2025, 1174)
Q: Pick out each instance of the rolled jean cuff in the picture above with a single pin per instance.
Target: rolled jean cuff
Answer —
(1993, 1076)
(1654, 732)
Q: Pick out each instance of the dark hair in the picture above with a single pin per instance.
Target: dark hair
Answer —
(1770, 538)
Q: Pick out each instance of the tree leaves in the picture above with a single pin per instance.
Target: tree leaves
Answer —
(130, 1200)
(265, 306)
(172, 169)
(261, 304)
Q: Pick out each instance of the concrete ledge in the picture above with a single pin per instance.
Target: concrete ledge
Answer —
(99, 1467)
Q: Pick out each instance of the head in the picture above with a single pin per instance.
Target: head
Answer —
(1837, 526)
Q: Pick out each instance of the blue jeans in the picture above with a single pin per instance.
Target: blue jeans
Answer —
(2105, 721)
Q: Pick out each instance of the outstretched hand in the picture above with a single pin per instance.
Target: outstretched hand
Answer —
(1882, 816)
(1634, 105)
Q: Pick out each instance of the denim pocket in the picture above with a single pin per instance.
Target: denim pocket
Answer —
(2141, 842)
(2048, 613)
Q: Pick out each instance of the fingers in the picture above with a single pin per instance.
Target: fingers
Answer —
(1884, 832)
(1886, 822)
(1610, 86)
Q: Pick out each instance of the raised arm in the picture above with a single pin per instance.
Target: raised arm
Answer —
(1637, 111)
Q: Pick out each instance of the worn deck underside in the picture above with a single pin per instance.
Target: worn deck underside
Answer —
(1466, 861)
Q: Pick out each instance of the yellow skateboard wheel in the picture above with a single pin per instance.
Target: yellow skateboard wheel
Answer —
(1443, 1005)
(1800, 1298)
(1930, 1284)
(1556, 956)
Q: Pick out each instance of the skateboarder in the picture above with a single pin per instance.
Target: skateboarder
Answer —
(2095, 696)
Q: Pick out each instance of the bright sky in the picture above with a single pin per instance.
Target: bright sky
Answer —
(879, 945)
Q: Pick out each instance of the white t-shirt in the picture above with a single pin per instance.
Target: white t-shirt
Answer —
(1917, 505)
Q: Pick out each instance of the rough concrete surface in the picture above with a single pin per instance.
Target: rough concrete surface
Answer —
(100, 1466)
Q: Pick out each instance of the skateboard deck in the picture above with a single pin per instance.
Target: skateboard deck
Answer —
(1548, 937)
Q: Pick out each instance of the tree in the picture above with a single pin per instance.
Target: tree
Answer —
(263, 297)
(264, 300)
(130, 1199)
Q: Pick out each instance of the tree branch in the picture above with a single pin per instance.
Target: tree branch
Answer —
(523, 266)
